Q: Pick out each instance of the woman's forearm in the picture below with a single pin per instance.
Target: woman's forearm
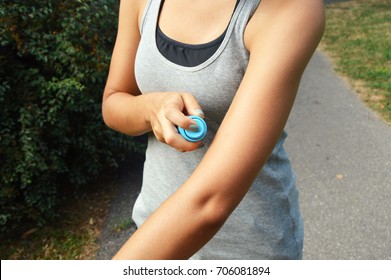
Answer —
(176, 231)
(160, 112)
(127, 113)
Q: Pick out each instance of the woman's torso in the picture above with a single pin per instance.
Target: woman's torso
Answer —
(267, 223)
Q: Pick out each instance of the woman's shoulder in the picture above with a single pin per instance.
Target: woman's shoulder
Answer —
(132, 10)
(296, 15)
(292, 9)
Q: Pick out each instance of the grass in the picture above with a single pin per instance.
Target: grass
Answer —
(358, 39)
(73, 236)
(123, 225)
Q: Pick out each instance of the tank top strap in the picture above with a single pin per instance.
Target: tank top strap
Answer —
(248, 9)
(148, 13)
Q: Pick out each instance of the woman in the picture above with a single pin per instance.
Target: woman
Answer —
(238, 64)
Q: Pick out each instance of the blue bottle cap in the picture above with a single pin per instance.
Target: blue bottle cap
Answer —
(194, 136)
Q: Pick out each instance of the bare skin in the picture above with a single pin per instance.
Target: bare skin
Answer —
(281, 38)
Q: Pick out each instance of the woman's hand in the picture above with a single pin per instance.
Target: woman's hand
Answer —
(168, 112)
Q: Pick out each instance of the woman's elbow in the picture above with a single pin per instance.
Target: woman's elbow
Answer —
(107, 117)
(111, 116)
(215, 213)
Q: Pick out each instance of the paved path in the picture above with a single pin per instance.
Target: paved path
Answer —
(119, 226)
(341, 153)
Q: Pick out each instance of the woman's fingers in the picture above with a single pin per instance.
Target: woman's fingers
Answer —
(171, 115)
(175, 140)
(191, 105)
(176, 108)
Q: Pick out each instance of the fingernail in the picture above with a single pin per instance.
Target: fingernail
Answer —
(199, 112)
(193, 127)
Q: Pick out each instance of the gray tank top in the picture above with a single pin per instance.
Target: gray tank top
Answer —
(267, 223)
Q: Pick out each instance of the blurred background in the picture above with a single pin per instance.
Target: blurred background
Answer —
(55, 151)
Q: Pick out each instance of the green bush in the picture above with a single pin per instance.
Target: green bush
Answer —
(54, 58)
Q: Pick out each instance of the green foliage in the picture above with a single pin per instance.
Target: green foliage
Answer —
(54, 59)
(358, 34)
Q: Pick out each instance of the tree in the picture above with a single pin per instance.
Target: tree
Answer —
(54, 58)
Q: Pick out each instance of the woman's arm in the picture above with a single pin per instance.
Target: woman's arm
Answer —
(121, 89)
(281, 37)
(124, 109)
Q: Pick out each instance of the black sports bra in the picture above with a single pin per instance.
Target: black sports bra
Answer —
(187, 54)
